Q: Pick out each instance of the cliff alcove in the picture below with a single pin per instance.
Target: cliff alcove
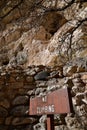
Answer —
(52, 21)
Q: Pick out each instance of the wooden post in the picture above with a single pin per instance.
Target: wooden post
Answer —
(50, 122)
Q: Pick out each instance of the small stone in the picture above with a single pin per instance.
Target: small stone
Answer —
(82, 110)
(29, 79)
(43, 119)
(4, 103)
(77, 80)
(3, 112)
(72, 122)
(38, 91)
(79, 98)
(21, 57)
(52, 88)
(29, 86)
(41, 84)
(81, 85)
(85, 81)
(84, 101)
(23, 120)
(80, 69)
(54, 74)
(8, 120)
(40, 126)
(70, 70)
(76, 75)
(77, 89)
(42, 75)
(84, 77)
(31, 92)
(20, 110)
(61, 127)
(30, 72)
(20, 100)
(85, 94)
(51, 82)
(12, 62)
(3, 73)
(69, 82)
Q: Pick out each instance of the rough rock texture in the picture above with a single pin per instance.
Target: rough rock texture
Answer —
(43, 47)
(42, 32)
(18, 85)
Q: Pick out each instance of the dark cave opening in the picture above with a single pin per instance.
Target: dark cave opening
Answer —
(52, 21)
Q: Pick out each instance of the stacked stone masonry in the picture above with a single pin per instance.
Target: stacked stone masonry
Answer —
(18, 85)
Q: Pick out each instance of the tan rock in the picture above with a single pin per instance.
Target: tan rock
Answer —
(84, 77)
(23, 121)
(2, 41)
(42, 34)
(12, 36)
(69, 70)
(15, 14)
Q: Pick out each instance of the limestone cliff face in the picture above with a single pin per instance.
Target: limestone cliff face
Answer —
(42, 32)
(43, 47)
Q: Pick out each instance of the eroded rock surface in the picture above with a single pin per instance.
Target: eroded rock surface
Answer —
(43, 47)
(42, 32)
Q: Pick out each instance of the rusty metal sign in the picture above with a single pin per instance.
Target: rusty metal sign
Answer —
(56, 102)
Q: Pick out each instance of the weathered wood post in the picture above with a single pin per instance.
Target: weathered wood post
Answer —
(50, 122)
(56, 102)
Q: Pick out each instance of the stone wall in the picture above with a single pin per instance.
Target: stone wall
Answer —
(18, 85)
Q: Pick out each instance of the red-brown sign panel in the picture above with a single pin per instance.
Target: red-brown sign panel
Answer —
(56, 102)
